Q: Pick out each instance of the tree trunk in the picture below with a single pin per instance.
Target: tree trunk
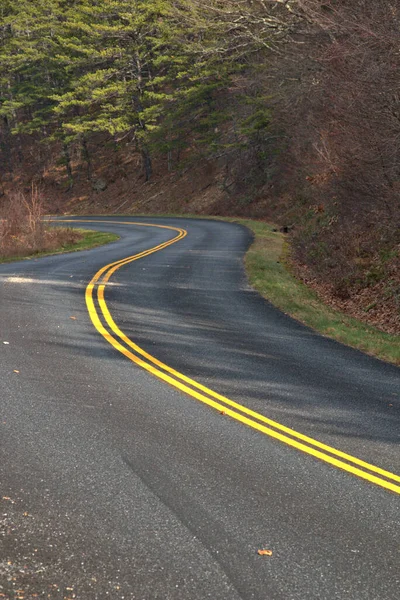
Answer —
(86, 156)
(6, 145)
(147, 163)
(138, 107)
(67, 159)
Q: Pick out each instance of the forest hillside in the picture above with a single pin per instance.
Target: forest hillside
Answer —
(283, 110)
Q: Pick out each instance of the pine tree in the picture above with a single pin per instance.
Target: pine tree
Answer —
(31, 67)
(152, 72)
(118, 69)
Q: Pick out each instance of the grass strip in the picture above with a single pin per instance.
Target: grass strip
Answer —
(269, 275)
(90, 239)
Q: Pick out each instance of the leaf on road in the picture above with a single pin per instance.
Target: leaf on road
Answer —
(264, 552)
(73, 318)
(9, 499)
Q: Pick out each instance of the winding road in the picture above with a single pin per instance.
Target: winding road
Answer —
(160, 423)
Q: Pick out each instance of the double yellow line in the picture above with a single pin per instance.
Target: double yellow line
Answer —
(101, 318)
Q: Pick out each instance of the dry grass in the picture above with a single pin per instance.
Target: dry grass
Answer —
(22, 230)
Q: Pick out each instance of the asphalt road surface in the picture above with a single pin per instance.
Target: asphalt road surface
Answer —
(149, 449)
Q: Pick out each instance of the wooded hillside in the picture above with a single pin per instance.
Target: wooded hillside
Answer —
(283, 109)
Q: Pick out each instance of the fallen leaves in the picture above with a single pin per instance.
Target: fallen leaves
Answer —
(263, 552)
(73, 318)
(8, 499)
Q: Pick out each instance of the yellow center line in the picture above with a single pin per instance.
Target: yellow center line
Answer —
(172, 377)
(110, 322)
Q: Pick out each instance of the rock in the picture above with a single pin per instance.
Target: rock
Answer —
(286, 229)
(99, 185)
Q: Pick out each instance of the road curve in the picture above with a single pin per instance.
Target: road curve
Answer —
(150, 446)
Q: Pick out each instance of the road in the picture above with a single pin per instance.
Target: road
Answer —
(149, 449)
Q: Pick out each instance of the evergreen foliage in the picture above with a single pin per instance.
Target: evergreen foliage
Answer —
(152, 72)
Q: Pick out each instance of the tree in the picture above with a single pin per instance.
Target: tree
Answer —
(123, 57)
(31, 67)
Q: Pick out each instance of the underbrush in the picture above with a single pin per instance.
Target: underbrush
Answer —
(22, 228)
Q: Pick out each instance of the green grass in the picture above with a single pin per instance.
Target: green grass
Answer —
(90, 239)
(269, 275)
